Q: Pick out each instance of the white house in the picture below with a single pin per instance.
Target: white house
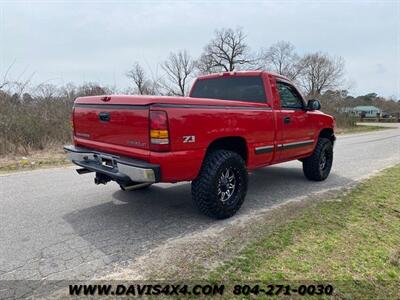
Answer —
(367, 110)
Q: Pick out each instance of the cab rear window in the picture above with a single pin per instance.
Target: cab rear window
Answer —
(240, 88)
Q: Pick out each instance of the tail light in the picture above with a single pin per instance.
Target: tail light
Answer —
(159, 134)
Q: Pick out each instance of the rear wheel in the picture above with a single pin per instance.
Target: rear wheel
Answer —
(318, 166)
(221, 186)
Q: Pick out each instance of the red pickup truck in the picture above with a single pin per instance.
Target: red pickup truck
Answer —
(231, 122)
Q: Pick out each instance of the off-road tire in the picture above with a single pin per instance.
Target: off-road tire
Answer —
(313, 167)
(206, 188)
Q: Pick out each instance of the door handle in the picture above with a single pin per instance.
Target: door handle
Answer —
(104, 116)
(286, 120)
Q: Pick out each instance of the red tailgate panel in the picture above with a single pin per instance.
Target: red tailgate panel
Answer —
(126, 127)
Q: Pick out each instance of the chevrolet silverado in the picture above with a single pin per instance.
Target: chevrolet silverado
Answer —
(230, 123)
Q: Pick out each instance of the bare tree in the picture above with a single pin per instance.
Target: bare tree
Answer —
(46, 91)
(227, 51)
(282, 59)
(143, 85)
(137, 74)
(179, 69)
(320, 72)
(4, 81)
(16, 86)
(92, 89)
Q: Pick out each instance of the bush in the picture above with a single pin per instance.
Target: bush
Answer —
(345, 120)
(38, 121)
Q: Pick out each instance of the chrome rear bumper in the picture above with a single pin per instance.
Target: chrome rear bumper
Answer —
(120, 169)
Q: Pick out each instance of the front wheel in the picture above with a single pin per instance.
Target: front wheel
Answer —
(318, 166)
(221, 186)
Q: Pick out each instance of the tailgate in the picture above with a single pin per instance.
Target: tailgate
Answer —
(116, 124)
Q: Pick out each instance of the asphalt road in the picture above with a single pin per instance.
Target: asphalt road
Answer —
(55, 224)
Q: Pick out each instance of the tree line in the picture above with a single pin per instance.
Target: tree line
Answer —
(228, 51)
(38, 117)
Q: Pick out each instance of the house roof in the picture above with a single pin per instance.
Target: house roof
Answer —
(366, 107)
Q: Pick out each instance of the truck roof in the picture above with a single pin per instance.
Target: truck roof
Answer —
(241, 73)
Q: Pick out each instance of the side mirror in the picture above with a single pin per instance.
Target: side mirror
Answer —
(313, 105)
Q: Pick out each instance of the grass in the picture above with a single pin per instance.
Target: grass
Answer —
(35, 160)
(360, 129)
(351, 241)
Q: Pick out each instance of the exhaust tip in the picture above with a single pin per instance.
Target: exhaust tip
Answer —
(135, 186)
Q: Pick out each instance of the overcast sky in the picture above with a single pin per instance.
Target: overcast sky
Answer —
(97, 41)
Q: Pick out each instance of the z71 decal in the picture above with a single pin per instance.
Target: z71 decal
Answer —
(189, 139)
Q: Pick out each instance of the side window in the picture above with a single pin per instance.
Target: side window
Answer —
(290, 98)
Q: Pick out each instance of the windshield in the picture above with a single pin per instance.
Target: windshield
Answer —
(241, 88)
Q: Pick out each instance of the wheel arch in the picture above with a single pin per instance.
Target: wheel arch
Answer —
(327, 133)
(235, 144)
